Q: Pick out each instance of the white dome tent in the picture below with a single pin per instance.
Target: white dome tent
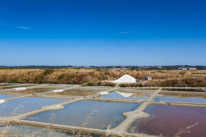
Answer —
(125, 79)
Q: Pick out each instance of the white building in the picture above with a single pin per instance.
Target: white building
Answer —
(148, 78)
(192, 68)
(187, 68)
(182, 68)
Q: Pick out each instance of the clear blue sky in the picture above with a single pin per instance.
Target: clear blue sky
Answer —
(102, 32)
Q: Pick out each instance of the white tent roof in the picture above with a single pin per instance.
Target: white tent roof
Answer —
(125, 79)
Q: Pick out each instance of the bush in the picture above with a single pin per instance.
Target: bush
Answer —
(110, 84)
(122, 85)
(48, 71)
(90, 84)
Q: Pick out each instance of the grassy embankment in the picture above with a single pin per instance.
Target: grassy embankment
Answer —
(164, 78)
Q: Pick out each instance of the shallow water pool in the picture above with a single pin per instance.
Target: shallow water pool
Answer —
(116, 95)
(91, 114)
(29, 131)
(24, 105)
(170, 121)
(4, 96)
(181, 99)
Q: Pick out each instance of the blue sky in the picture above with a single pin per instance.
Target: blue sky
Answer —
(102, 32)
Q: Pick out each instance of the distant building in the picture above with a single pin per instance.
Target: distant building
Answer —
(192, 68)
(182, 68)
(148, 78)
(159, 67)
(124, 68)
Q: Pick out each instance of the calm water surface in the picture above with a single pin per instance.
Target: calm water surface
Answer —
(171, 121)
(91, 114)
(179, 99)
(24, 105)
(28, 131)
(4, 96)
(116, 95)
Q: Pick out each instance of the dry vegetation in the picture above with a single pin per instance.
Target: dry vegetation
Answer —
(184, 95)
(15, 86)
(76, 92)
(138, 95)
(91, 77)
(29, 91)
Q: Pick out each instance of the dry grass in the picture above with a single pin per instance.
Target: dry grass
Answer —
(138, 95)
(184, 95)
(185, 130)
(15, 86)
(81, 76)
(76, 92)
(30, 91)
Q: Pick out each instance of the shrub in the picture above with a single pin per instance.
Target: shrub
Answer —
(122, 85)
(90, 84)
(48, 71)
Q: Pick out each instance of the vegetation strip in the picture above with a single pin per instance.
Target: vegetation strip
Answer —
(101, 76)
